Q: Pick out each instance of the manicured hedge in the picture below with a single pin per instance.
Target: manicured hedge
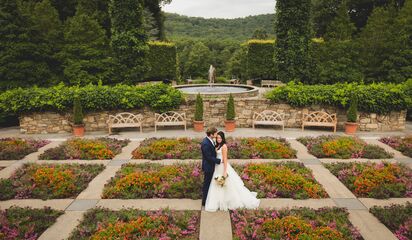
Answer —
(260, 63)
(374, 98)
(159, 97)
(161, 60)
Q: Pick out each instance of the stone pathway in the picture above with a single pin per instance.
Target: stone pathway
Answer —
(340, 196)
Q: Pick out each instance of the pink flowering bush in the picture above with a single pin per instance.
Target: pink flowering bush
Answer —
(404, 145)
(398, 218)
(26, 223)
(298, 223)
(104, 224)
(374, 180)
(333, 146)
(156, 181)
(18, 148)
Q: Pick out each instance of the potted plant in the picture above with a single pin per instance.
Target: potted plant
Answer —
(198, 123)
(230, 123)
(78, 125)
(352, 115)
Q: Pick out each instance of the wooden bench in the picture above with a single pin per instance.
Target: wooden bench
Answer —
(234, 81)
(268, 117)
(170, 119)
(124, 120)
(271, 83)
(319, 119)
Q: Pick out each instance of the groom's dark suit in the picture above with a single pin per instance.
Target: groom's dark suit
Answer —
(208, 165)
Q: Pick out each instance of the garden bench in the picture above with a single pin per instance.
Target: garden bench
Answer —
(189, 81)
(124, 120)
(319, 119)
(234, 81)
(271, 83)
(170, 119)
(268, 117)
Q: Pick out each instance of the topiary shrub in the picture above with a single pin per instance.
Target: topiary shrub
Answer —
(230, 111)
(199, 108)
(352, 113)
(77, 112)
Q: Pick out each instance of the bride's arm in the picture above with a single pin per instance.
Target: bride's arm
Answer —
(224, 156)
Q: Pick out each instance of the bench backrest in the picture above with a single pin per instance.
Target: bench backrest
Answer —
(268, 115)
(170, 117)
(125, 117)
(319, 116)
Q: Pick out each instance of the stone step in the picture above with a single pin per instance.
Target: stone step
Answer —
(215, 226)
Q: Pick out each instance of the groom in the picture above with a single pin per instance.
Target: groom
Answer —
(208, 160)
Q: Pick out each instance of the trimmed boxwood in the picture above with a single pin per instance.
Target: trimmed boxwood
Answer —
(161, 60)
(159, 97)
(260, 63)
(373, 98)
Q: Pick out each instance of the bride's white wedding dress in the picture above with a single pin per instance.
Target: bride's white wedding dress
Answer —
(232, 195)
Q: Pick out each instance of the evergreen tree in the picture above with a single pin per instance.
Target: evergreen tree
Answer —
(379, 40)
(97, 9)
(341, 28)
(198, 62)
(85, 56)
(22, 61)
(129, 41)
(237, 64)
(293, 34)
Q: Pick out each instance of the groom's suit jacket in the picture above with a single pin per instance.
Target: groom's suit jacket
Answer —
(208, 156)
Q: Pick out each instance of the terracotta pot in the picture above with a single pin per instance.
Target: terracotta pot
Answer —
(198, 126)
(78, 130)
(350, 127)
(230, 125)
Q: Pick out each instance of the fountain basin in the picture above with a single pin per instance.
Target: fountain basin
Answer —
(219, 90)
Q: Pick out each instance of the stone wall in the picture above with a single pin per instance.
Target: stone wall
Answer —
(214, 114)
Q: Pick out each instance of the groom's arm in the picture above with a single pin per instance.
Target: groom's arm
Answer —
(209, 156)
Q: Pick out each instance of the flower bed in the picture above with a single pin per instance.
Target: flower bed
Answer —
(281, 180)
(332, 146)
(26, 223)
(240, 148)
(374, 180)
(155, 181)
(48, 181)
(404, 145)
(302, 223)
(398, 218)
(102, 224)
(87, 149)
(18, 148)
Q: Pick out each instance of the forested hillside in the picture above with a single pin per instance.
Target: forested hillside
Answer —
(178, 26)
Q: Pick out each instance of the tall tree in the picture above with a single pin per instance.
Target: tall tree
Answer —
(129, 40)
(85, 54)
(98, 9)
(341, 27)
(22, 61)
(198, 62)
(293, 33)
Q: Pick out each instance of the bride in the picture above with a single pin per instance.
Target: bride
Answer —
(233, 194)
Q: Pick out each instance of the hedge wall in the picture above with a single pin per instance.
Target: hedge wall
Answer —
(159, 97)
(372, 98)
(260, 61)
(161, 60)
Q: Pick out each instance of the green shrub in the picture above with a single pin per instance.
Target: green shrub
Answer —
(77, 112)
(352, 114)
(161, 60)
(260, 62)
(230, 111)
(373, 98)
(60, 98)
(199, 108)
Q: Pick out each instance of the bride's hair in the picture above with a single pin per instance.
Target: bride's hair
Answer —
(222, 135)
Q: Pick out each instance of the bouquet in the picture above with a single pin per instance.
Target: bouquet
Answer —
(221, 180)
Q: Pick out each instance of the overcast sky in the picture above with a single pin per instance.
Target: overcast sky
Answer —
(220, 8)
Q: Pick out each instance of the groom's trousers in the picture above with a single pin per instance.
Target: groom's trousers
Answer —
(206, 185)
